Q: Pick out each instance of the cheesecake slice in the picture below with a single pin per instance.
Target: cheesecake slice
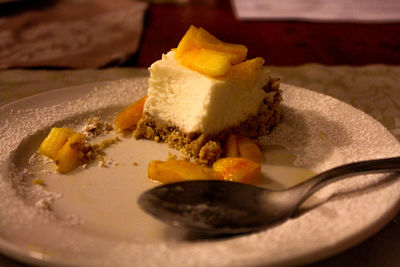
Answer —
(204, 90)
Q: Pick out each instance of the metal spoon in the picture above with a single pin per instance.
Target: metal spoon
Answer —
(223, 207)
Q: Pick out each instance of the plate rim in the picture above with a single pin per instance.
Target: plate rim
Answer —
(15, 252)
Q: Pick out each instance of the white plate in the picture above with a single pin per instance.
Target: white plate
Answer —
(93, 218)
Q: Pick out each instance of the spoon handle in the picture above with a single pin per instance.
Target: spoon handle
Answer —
(362, 167)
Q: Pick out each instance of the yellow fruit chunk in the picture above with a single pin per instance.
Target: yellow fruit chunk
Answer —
(247, 69)
(54, 141)
(70, 155)
(238, 146)
(65, 147)
(180, 170)
(231, 147)
(194, 52)
(210, 62)
(128, 118)
(187, 41)
(248, 149)
(238, 169)
(204, 39)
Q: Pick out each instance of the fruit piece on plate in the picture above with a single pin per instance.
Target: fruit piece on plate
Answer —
(70, 155)
(239, 146)
(128, 118)
(206, 61)
(231, 148)
(54, 141)
(180, 170)
(238, 169)
(65, 147)
(249, 149)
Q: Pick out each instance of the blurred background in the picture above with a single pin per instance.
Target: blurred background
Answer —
(57, 33)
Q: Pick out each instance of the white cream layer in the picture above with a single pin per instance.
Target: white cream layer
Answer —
(199, 103)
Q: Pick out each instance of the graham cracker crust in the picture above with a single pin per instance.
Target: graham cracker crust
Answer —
(206, 149)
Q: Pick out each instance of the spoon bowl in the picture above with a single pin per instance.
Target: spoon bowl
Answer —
(224, 207)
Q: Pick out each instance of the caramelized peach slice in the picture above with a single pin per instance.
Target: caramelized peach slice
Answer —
(249, 149)
(238, 169)
(247, 69)
(54, 141)
(187, 41)
(196, 38)
(231, 148)
(238, 146)
(204, 39)
(210, 62)
(70, 155)
(202, 52)
(128, 118)
(180, 170)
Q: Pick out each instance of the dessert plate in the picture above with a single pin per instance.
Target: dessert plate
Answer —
(89, 217)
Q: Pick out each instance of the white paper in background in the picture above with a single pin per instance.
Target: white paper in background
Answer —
(318, 10)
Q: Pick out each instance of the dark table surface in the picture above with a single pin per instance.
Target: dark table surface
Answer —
(281, 43)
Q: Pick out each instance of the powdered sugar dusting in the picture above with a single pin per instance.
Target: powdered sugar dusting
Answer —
(23, 203)
(324, 131)
(30, 120)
